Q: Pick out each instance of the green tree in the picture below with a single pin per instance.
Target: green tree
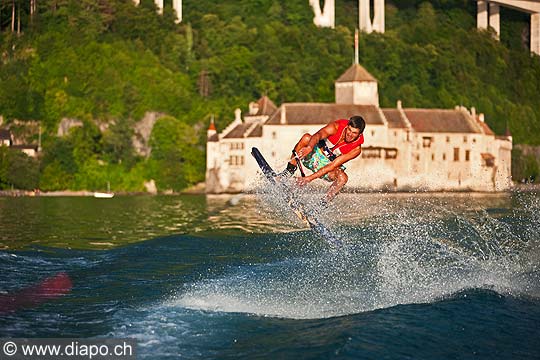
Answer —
(176, 155)
(54, 177)
(117, 143)
(18, 170)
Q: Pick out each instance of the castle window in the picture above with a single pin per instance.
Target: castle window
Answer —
(371, 152)
(236, 160)
(448, 139)
(432, 157)
(444, 156)
(236, 146)
(426, 141)
(465, 139)
(390, 153)
(467, 155)
(489, 160)
(372, 133)
(273, 134)
(456, 154)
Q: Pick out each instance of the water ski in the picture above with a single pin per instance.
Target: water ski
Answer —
(303, 212)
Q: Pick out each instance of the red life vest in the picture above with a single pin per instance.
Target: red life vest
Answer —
(344, 147)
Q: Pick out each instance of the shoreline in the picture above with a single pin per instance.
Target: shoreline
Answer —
(200, 190)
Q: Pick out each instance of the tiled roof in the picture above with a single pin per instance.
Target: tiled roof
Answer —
(5, 134)
(33, 147)
(394, 118)
(323, 113)
(256, 131)
(356, 73)
(214, 137)
(437, 120)
(485, 127)
(421, 120)
(237, 132)
(266, 106)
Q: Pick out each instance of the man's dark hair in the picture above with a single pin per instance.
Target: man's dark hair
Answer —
(357, 122)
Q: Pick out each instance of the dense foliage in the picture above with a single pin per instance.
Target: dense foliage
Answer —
(108, 62)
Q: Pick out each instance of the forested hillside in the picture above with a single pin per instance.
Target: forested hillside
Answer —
(106, 63)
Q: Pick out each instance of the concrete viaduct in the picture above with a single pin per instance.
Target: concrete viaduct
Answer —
(176, 4)
(488, 15)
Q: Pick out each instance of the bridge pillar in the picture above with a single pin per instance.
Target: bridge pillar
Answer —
(364, 16)
(535, 33)
(177, 6)
(482, 15)
(495, 18)
(378, 19)
(159, 4)
(325, 17)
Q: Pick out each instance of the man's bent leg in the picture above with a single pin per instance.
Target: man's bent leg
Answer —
(292, 165)
(304, 141)
(340, 179)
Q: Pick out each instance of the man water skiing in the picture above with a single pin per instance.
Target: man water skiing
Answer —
(326, 151)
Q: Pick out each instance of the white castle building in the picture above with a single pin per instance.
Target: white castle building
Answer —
(404, 148)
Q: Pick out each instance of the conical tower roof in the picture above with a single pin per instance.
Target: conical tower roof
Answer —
(356, 73)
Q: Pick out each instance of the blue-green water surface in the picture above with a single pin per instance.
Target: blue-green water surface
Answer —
(421, 276)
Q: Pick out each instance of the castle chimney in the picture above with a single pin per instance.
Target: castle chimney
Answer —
(283, 118)
(399, 104)
(238, 115)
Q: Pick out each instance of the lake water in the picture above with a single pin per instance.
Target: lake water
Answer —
(420, 276)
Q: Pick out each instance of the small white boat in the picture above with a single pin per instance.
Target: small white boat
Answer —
(104, 195)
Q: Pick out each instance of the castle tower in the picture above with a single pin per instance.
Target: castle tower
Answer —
(356, 85)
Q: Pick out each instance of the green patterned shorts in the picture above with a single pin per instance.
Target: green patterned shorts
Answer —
(316, 160)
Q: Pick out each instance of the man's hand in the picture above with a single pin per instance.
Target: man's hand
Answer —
(301, 181)
(303, 152)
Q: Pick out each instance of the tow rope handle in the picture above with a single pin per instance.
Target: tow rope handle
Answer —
(299, 163)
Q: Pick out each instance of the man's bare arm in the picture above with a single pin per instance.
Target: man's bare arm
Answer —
(323, 133)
